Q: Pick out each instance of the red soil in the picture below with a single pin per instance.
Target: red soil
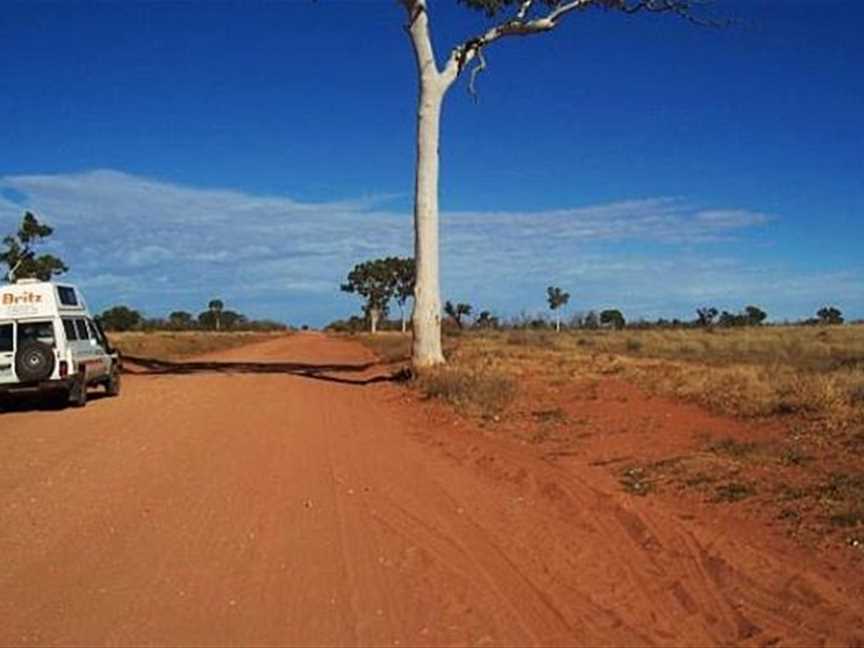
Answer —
(261, 505)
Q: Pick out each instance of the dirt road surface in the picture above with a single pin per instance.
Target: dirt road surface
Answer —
(260, 503)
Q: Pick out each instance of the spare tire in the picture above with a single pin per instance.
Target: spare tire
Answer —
(34, 362)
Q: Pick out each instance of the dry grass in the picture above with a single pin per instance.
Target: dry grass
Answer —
(814, 372)
(803, 387)
(388, 346)
(171, 346)
(480, 390)
(802, 348)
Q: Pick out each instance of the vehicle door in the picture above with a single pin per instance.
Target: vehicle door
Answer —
(100, 348)
(85, 351)
(7, 353)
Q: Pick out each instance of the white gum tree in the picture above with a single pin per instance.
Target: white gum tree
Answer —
(509, 18)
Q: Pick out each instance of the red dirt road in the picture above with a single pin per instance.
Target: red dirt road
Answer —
(261, 507)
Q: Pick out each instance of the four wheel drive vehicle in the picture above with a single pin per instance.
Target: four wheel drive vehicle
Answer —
(50, 344)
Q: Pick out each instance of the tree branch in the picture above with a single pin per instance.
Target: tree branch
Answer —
(463, 54)
(520, 25)
(524, 9)
(481, 65)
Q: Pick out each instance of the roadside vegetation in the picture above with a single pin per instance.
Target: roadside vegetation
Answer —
(166, 345)
(794, 392)
(215, 318)
(182, 335)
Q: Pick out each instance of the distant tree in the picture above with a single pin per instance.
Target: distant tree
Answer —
(120, 318)
(557, 298)
(728, 319)
(829, 315)
(750, 316)
(591, 320)
(206, 320)
(231, 320)
(457, 312)
(181, 320)
(405, 274)
(706, 316)
(375, 281)
(215, 306)
(754, 315)
(20, 257)
(613, 317)
(486, 320)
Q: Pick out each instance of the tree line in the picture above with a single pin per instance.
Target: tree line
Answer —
(380, 281)
(215, 318)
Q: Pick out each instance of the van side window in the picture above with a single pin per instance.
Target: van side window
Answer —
(36, 331)
(94, 332)
(69, 327)
(67, 296)
(81, 325)
(5, 338)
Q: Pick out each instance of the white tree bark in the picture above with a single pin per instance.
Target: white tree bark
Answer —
(426, 317)
(433, 85)
(374, 316)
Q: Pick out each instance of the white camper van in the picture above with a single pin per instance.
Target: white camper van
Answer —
(50, 344)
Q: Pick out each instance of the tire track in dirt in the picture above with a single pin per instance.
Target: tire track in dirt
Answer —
(711, 587)
(270, 509)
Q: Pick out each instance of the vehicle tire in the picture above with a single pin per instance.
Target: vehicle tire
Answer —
(34, 362)
(112, 387)
(78, 393)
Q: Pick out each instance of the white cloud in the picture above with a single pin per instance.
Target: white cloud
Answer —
(162, 245)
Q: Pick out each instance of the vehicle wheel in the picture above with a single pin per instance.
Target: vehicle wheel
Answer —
(78, 394)
(112, 387)
(34, 362)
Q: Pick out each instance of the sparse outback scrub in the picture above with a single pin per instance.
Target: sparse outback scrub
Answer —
(799, 391)
(815, 372)
(171, 346)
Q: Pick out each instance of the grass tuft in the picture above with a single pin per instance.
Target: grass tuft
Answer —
(481, 389)
(733, 492)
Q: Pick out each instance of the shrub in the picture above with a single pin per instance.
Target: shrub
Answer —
(486, 390)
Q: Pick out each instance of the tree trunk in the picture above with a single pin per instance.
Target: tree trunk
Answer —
(402, 313)
(374, 315)
(557, 322)
(427, 296)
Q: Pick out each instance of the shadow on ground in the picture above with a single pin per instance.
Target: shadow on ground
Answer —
(326, 372)
(44, 402)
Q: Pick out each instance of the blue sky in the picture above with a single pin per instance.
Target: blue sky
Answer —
(256, 151)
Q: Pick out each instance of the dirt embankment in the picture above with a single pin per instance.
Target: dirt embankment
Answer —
(280, 494)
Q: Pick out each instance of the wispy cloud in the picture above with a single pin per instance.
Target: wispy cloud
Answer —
(161, 245)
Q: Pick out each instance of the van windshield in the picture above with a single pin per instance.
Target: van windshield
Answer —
(36, 331)
(5, 338)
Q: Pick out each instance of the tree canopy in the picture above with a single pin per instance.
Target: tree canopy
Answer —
(829, 315)
(378, 281)
(120, 318)
(613, 317)
(457, 312)
(20, 256)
